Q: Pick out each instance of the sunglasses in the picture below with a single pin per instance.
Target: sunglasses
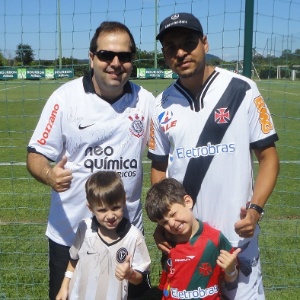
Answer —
(106, 55)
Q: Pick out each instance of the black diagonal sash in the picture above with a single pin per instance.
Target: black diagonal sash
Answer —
(213, 133)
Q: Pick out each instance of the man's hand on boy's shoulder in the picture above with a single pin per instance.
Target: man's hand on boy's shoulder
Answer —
(163, 239)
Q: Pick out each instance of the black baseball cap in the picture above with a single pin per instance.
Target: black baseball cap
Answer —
(183, 20)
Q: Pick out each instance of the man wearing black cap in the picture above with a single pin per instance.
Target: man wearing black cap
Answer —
(204, 129)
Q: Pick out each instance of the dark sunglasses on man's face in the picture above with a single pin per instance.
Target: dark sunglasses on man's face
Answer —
(105, 55)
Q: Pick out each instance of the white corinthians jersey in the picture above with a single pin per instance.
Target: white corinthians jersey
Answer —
(208, 143)
(94, 277)
(94, 135)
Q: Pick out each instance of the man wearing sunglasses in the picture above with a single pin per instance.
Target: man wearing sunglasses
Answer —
(97, 122)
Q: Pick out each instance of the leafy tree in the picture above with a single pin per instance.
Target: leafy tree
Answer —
(144, 59)
(24, 54)
(297, 52)
(286, 53)
(67, 62)
(3, 60)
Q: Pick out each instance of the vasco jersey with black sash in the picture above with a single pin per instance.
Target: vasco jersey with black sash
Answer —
(94, 276)
(207, 143)
(94, 135)
(191, 271)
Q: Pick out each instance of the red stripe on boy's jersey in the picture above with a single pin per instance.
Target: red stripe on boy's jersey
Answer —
(193, 265)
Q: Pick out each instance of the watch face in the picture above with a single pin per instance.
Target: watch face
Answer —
(261, 216)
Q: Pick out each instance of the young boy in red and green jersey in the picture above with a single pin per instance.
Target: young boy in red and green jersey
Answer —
(202, 260)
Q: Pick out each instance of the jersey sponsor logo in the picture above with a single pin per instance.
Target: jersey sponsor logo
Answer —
(205, 269)
(137, 126)
(121, 255)
(264, 116)
(84, 127)
(194, 294)
(165, 117)
(166, 120)
(49, 125)
(207, 150)
(166, 290)
(185, 259)
(151, 142)
(101, 159)
(222, 115)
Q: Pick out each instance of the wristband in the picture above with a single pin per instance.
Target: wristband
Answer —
(69, 274)
(234, 272)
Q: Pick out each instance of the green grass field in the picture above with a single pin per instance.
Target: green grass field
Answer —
(24, 202)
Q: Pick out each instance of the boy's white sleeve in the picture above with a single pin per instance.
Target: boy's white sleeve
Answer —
(141, 258)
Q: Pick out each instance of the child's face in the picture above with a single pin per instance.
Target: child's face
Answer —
(179, 220)
(108, 216)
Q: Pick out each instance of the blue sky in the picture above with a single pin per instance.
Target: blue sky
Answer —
(34, 22)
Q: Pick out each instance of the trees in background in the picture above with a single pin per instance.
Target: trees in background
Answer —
(266, 66)
(24, 54)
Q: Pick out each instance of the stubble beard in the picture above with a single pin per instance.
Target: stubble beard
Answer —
(192, 73)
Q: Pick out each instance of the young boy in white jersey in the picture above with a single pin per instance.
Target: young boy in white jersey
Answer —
(108, 252)
(201, 257)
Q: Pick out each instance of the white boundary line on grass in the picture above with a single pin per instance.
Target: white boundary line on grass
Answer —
(10, 88)
(296, 162)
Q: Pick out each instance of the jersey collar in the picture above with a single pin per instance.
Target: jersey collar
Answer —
(196, 103)
(122, 229)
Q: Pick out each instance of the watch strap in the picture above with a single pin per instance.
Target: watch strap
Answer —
(259, 209)
(256, 207)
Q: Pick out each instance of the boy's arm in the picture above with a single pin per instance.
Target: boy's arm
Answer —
(64, 289)
(227, 261)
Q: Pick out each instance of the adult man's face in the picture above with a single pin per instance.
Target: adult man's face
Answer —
(184, 51)
(111, 73)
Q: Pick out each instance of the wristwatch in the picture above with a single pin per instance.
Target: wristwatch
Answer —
(259, 209)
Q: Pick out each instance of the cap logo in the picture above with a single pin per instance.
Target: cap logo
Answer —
(174, 17)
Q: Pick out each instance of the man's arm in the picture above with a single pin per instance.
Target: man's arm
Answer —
(158, 171)
(38, 166)
(267, 175)
(57, 177)
(264, 184)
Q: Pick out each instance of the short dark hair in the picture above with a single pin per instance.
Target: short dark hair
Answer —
(109, 27)
(105, 187)
(161, 196)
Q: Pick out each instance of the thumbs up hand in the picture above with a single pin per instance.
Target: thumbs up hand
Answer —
(58, 177)
(124, 270)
